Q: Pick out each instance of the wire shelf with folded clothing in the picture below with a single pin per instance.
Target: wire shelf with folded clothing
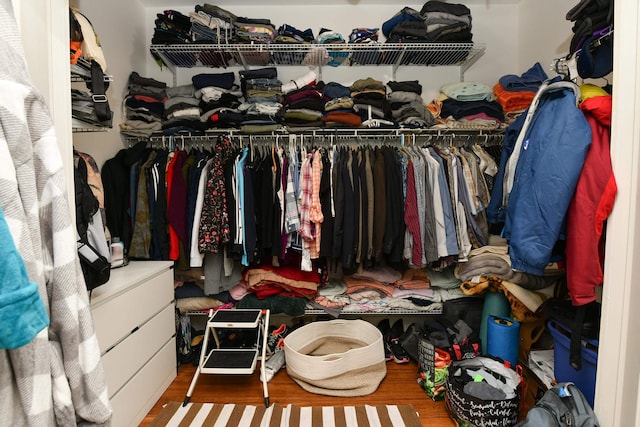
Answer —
(462, 55)
(90, 111)
(83, 112)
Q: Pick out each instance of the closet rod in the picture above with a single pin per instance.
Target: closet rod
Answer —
(458, 139)
(318, 133)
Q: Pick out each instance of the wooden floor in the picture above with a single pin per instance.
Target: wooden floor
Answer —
(398, 388)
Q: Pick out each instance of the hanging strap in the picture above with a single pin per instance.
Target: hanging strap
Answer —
(98, 91)
(575, 346)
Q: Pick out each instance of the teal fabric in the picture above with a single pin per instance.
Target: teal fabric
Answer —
(468, 91)
(22, 311)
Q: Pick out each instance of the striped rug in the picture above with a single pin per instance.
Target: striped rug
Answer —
(219, 415)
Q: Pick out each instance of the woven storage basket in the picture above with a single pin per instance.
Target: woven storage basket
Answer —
(336, 357)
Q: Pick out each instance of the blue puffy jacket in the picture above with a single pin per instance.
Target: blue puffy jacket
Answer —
(551, 158)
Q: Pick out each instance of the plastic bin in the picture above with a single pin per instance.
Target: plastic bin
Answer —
(585, 378)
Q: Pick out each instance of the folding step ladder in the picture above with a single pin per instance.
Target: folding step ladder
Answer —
(238, 361)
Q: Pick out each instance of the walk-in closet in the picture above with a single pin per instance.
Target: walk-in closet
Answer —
(507, 37)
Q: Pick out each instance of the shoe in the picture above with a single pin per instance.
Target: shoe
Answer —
(384, 327)
(409, 341)
(396, 331)
(273, 365)
(400, 355)
(275, 340)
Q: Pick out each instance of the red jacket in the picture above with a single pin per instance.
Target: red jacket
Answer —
(591, 205)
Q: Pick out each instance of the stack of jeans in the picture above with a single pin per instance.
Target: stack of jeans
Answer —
(262, 109)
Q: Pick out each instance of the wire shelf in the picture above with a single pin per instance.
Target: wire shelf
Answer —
(89, 128)
(395, 54)
(435, 308)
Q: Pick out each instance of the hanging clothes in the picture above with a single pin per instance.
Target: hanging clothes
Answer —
(197, 257)
(195, 192)
(548, 145)
(160, 244)
(326, 203)
(141, 237)
(307, 229)
(117, 175)
(590, 206)
(380, 208)
(393, 240)
(434, 200)
(214, 224)
(358, 207)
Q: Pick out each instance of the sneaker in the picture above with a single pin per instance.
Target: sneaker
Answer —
(273, 365)
(384, 327)
(409, 341)
(400, 355)
(275, 340)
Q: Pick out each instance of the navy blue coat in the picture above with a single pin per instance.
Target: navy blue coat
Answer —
(551, 158)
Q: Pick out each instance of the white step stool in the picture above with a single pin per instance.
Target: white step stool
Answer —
(238, 361)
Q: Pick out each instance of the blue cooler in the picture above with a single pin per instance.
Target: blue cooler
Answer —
(585, 378)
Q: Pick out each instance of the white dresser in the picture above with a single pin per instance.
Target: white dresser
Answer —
(135, 324)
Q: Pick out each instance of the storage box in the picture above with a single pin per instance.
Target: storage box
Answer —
(585, 378)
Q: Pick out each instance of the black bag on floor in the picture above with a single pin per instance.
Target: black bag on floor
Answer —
(456, 337)
(483, 392)
(562, 405)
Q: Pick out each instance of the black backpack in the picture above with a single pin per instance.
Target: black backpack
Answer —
(562, 405)
(96, 268)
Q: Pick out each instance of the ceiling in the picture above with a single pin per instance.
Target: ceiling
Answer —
(230, 3)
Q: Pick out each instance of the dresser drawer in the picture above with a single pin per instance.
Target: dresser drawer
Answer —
(134, 401)
(124, 360)
(116, 316)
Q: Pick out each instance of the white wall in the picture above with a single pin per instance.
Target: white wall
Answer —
(544, 32)
(120, 25)
(500, 56)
